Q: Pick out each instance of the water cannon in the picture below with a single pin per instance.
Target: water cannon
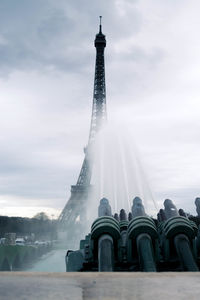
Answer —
(105, 232)
(197, 203)
(104, 208)
(116, 216)
(138, 208)
(123, 220)
(138, 242)
(177, 238)
(142, 236)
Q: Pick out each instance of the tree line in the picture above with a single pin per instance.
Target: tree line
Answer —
(40, 225)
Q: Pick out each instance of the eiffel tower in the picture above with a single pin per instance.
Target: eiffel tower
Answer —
(72, 217)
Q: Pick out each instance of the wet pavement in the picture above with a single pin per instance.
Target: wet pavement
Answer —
(104, 286)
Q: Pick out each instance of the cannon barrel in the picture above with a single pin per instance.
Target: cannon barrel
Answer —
(142, 229)
(123, 215)
(105, 231)
(197, 203)
(182, 213)
(145, 252)
(116, 216)
(184, 252)
(170, 209)
(179, 231)
(130, 216)
(104, 208)
(105, 253)
(137, 208)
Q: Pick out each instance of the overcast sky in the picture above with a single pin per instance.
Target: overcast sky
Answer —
(46, 82)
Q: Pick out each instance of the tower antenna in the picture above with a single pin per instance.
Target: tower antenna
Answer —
(100, 17)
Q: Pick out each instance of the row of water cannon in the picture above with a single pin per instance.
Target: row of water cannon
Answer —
(138, 242)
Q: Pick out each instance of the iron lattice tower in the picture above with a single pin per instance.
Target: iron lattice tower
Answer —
(75, 209)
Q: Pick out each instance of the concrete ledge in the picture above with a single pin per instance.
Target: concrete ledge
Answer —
(21, 285)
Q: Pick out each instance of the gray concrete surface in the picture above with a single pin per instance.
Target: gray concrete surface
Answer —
(106, 286)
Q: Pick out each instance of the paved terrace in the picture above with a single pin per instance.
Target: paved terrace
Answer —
(75, 286)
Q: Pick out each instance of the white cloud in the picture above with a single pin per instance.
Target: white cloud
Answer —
(152, 74)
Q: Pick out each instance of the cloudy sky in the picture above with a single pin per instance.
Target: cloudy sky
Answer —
(46, 82)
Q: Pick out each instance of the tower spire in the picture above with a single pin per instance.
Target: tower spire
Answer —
(76, 206)
(100, 17)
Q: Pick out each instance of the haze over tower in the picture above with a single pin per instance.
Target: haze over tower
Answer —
(73, 215)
